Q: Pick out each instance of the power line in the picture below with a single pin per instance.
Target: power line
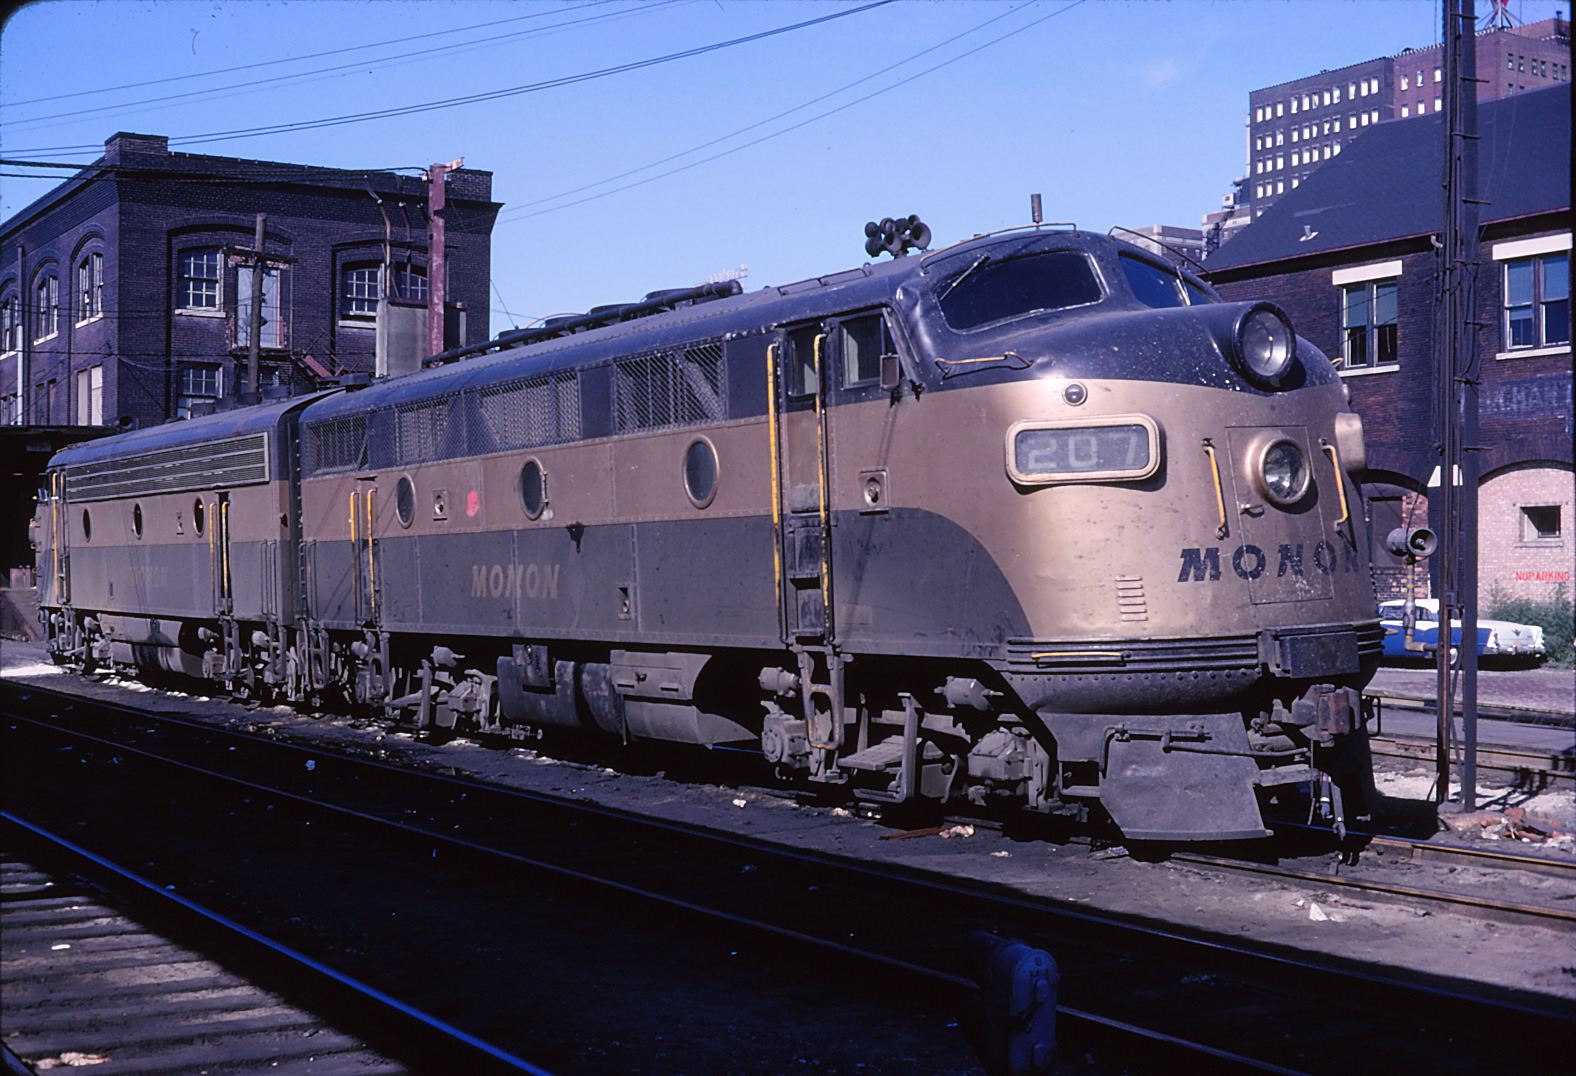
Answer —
(285, 60)
(236, 89)
(510, 219)
(493, 95)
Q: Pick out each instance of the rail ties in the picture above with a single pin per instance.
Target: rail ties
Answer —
(519, 912)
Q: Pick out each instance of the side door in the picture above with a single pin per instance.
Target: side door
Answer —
(59, 539)
(802, 504)
(364, 547)
(218, 511)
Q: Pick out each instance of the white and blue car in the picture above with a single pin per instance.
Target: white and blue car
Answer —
(1497, 638)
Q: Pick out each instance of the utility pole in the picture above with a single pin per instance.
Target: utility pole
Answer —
(254, 345)
(1457, 380)
(437, 274)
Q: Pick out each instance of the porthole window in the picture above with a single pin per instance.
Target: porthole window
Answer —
(405, 500)
(533, 489)
(136, 520)
(199, 515)
(700, 472)
(87, 526)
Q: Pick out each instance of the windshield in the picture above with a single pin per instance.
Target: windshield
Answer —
(1153, 285)
(987, 291)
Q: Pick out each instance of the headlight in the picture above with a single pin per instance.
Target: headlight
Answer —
(1283, 472)
(1263, 344)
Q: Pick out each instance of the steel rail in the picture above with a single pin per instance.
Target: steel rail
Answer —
(1479, 907)
(442, 1039)
(883, 872)
(1554, 768)
(1460, 855)
(1143, 1036)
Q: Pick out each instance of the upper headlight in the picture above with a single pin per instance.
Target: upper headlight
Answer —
(1263, 344)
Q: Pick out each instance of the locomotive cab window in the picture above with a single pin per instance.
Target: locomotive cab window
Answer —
(985, 291)
(804, 348)
(863, 341)
(1152, 285)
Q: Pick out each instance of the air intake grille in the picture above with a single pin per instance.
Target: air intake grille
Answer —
(336, 444)
(541, 411)
(670, 389)
(421, 432)
(235, 461)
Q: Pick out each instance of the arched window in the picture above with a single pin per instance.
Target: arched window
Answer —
(90, 287)
(46, 311)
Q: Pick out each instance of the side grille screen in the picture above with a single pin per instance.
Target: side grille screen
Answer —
(235, 461)
(670, 389)
(541, 411)
(336, 444)
(421, 431)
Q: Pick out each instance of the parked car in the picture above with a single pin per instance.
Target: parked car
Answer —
(1496, 638)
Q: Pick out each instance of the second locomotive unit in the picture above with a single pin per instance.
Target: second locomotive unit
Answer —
(1033, 520)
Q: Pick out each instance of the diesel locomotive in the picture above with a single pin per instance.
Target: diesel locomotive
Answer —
(1035, 520)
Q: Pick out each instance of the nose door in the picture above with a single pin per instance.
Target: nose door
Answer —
(1285, 553)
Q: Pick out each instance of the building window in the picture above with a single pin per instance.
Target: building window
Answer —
(10, 325)
(199, 384)
(1537, 301)
(90, 396)
(410, 283)
(1368, 324)
(273, 334)
(197, 283)
(1405, 111)
(47, 313)
(90, 288)
(1540, 523)
(361, 287)
(358, 295)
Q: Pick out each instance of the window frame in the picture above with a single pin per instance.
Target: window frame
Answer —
(190, 286)
(47, 310)
(11, 323)
(1532, 249)
(90, 287)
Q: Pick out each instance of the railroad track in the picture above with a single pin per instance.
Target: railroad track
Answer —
(159, 1007)
(1131, 989)
(1357, 884)
(1536, 769)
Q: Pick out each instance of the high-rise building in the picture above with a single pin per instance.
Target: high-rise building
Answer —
(1295, 126)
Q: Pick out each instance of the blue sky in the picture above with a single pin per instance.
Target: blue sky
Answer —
(1118, 112)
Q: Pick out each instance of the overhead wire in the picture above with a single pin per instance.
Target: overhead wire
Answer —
(514, 212)
(302, 77)
(284, 60)
(491, 95)
(513, 217)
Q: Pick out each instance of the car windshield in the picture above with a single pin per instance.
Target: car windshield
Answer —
(986, 291)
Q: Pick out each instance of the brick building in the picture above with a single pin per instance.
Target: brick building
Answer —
(124, 292)
(1294, 127)
(1350, 256)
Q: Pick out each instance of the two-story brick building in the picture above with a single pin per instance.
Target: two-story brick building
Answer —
(1351, 256)
(125, 292)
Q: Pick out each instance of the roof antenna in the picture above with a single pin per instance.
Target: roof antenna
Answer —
(1034, 209)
